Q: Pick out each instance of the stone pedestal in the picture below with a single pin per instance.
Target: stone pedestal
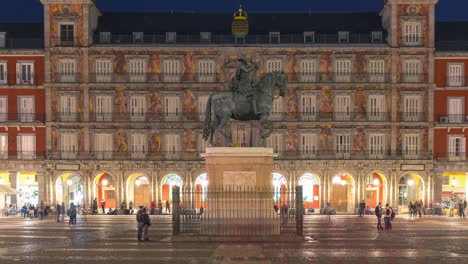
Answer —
(240, 193)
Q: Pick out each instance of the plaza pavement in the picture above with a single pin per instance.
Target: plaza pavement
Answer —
(346, 239)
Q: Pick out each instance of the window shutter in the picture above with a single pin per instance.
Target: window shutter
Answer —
(3, 108)
(463, 147)
(308, 107)
(18, 73)
(274, 65)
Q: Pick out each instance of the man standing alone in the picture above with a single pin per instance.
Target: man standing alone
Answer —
(140, 222)
(378, 214)
(362, 207)
(146, 224)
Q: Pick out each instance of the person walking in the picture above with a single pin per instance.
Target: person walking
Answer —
(388, 217)
(146, 224)
(140, 224)
(72, 214)
(58, 210)
(378, 214)
(40, 211)
(461, 209)
(95, 206)
(451, 207)
(362, 207)
(160, 207)
(103, 206)
(130, 207)
(168, 206)
(420, 208)
(63, 212)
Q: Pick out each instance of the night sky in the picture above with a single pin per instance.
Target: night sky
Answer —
(31, 10)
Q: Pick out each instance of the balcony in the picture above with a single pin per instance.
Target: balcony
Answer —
(22, 117)
(67, 77)
(412, 116)
(283, 39)
(18, 78)
(353, 155)
(23, 155)
(452, 119)
(151, 77)
(412, 41)
(457, 81)
(413, 78)
(127, 155)
(450, 156)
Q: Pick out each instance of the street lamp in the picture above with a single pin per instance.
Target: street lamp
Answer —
(105, 182)
(137, 182)
(454, 182)
(376, 182)
(410, 182)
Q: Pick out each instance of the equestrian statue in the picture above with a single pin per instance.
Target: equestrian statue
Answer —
(247, 100)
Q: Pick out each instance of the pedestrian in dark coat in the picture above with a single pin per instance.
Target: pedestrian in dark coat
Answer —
(378, 214)
(146, 224)
(140, 223)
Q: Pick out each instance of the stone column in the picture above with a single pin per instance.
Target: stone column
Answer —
(120, 182)
(14, 184)
(43, 186)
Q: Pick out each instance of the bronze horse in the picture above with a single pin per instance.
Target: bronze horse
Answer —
(229, 104)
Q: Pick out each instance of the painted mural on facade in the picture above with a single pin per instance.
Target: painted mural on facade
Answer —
(189, 105)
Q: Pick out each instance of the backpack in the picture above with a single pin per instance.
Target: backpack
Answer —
(388, 211)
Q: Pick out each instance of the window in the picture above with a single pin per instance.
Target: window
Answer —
(103, 70)
(138, 146)
(411, 108)
(456, 74)
(202, 101)
(456, 147)
(309, 144)
(277, 109)
(412, 33)
(308, 107)
(376, 108)
(26, 108)
(69, 145)
(2, 39)
(68, 108)
(455, 109)
(172, 143)
(172, 108)
(25, 73)
(171, 37)
(137, 37)
(412, 71)
(343, 37)
(308, 70)
(377, 37)
(103, 108)
(104, 37)
(343, 144)
(201, 146)
(103, 145)
(309, 37)
(411, 145)
(3, 146)
(206, 71)
(67, 35)
(26, 146)
(240, 135)
(3, 73)
(377, 71)
(171, 71)
(274, 38)
(274, 65)
(137, 70)
(205, 37)
(343, 70)
(376, 145)
(67, 71)
(275, 141)
(342, 108)
(3, 108)
(137, 108)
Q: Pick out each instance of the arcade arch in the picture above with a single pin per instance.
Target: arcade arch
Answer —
(201, 187)
(279, 188)
(343, 192)
(410, 188)
(104, 189)
(138, 190)
(69, 189)
(376, 189)
(171, 179)
(310, 190)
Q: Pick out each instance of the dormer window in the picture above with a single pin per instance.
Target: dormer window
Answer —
(205, 37)
(274, 38)
(67, 35)
(377, 37)
(343, 37)
(104, 37)
(309, 37)
(137, 37)
(171, 37)
(239, 38)
(2, 39)
(412, 33)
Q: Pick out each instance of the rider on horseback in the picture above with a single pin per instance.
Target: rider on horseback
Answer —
(243, 83)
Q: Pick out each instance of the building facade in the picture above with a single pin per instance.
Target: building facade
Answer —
(125, 98)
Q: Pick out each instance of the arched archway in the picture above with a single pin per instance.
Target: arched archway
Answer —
(104, 190)
(138, 190)
(343, 192)
(201, 187)
(279, 189)
(376, 189)
(410, 188)
(171, 179)
(69, 189)
(310, 190)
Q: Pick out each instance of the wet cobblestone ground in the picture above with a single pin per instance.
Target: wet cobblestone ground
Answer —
(346, 239)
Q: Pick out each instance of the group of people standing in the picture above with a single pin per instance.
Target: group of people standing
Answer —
(460, 205)
(416, 208)
(144, 222)
(40, 211)
(388, 215)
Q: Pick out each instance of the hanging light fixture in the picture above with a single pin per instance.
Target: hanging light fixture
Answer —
(376, 182)
(454, 181)
(105, 182)
(410, 182)
(137, 182)
(69, 182)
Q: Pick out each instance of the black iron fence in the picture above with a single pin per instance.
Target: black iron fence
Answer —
(18, 78)
(21, 117)
(238, 211)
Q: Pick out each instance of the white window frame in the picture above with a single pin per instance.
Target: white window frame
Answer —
(137, 70)
(277, 109)
(343, 36)
(376, 107)
(104, 37)
(308, 107)
(309, 144)
(309, 37)
(59, 29)
(67, 71)
(172, 108)
(138, 145)
(26, 109)
(377, 36)
(456, 147)
(412, 71)
(275, 37)
(23, 77)
(103, 108)
(308, 70)
(103, 70)
(341, 111)
(171, 37)
(275, 141)
(343, 70)
(137, 108)
(412, 108)
(411, 145)
(137, 37)
(68, 145)
(273, 65)
(201, 106)
(3, 108)
(25, 150)
(455, 74)
(343, 144)
(206, 71)
(205, 37)
(412, 33)
(376, 71)
(172, 70)
(4, 146)
(376, 145)
(103, 145)
(68, 108)
(456, 115)
(3, 73)
(172, 146)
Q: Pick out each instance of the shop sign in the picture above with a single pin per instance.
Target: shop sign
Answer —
(72, 167)
(412, 167)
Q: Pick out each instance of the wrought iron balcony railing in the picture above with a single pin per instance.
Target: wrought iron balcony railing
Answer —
(451, 156)
(457, 81)
(354, 155)
(23, 43)
(286, 39)
(452, 119)
(19, 78)
(412, 41)
(413, 78)
(22, 117)
(125, 155)
(69, 77)
(22, 155)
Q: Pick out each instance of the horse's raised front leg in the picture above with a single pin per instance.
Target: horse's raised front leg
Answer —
(220, 129)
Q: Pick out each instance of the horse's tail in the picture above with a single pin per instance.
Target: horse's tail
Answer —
(207, 128)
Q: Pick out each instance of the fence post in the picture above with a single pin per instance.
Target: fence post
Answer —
(299, 211)
(175, 210)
